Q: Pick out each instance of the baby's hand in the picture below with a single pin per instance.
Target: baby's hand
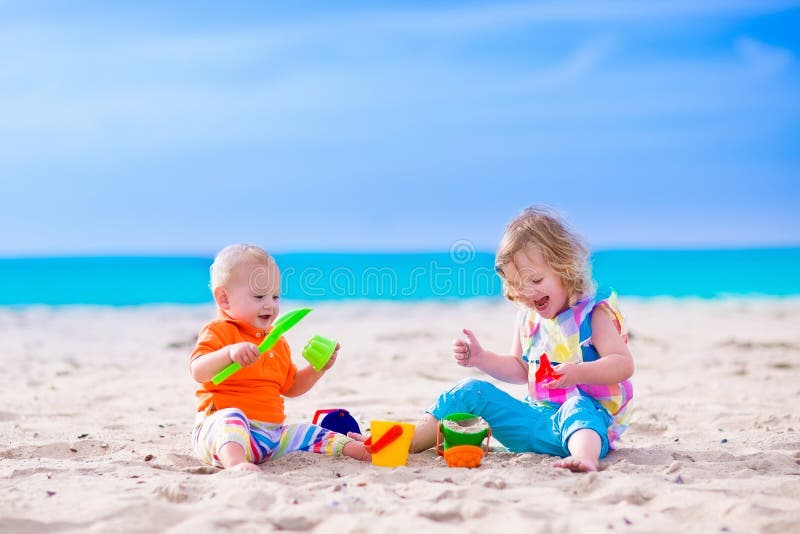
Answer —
(567, 376)
(467, 353)
(243, 353)
(332, 360)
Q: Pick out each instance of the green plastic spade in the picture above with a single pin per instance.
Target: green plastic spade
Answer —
(281, 326)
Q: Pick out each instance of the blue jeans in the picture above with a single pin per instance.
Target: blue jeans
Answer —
(522, 426)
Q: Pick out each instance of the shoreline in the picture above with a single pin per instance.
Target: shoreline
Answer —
(287, 303)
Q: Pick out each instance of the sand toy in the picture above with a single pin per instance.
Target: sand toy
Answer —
(463, 439)
(281, 326)
(389, 448)
(338, 420)
(318, 351)
(545, 374)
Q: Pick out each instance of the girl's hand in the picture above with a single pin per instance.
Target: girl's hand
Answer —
(467, 353)
(332, 360)
(567, 376)
(243, 353)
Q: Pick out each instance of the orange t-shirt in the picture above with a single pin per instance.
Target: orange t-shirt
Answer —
(256, 389)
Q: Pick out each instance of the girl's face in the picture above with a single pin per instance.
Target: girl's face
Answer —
(253, 294)
(534, 284)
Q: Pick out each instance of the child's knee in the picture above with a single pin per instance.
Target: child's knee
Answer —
(468, 395)
(470, 387)
(231, 425)
(223, 427)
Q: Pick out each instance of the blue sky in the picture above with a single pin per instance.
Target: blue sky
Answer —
(137, 127)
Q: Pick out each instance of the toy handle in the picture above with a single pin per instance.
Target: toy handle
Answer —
(232, 367)
(282, 324)
(320, 412)
(225, 373)
(486, 444)
(439, 444)
(386, 439)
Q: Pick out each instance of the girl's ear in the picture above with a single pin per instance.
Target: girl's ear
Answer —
(221, 298)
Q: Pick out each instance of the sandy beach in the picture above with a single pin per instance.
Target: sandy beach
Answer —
(98, 407)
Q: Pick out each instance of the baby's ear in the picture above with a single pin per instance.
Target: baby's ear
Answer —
(221, 298)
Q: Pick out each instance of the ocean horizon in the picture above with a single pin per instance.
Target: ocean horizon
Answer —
(121, 280)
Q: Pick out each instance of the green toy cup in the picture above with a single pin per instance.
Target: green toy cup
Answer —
(318, 351)
(463, 429)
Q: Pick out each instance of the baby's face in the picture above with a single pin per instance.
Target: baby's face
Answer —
(534, 284)
(254, 293)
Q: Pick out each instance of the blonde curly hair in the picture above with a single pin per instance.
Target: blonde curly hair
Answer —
(562, 249)
(231, 257)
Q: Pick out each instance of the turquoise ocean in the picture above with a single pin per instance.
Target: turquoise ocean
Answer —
(455, 275)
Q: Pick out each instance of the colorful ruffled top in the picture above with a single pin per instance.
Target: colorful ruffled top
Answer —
(567, 338)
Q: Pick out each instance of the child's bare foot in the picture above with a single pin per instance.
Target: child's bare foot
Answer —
(356, 449)
(577, 464)
(245, 466)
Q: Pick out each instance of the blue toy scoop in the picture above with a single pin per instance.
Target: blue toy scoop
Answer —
(338, 420)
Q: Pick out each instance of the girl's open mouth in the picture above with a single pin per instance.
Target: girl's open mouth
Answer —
(541, 304)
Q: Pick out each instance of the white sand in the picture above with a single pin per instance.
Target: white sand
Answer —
(97, 409)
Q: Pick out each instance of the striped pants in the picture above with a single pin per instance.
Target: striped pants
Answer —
(261, 441)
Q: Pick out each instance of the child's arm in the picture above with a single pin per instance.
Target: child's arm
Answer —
(305, 378)
(206, 366)
(505, 367)
(615, 363)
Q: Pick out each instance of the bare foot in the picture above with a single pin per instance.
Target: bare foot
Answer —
(578, 465)
(356, 436)
(245, 466)
(356, 449)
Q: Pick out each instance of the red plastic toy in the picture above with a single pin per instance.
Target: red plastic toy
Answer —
(391, 435)
(545, 370)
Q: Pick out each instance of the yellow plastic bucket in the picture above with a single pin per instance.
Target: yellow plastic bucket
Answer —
(389, 442)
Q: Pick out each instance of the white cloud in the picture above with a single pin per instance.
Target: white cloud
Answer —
(575, 66)
(764, 60)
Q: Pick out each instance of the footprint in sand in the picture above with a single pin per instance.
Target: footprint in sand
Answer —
(184, 463)
(649, 428)
(175, 493)
(635, 496)
(446, 512)
(293, 521)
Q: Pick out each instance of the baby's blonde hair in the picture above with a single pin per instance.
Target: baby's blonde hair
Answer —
(562, 249)
(231, 257)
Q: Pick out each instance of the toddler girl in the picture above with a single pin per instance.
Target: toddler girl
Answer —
(580, 410)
